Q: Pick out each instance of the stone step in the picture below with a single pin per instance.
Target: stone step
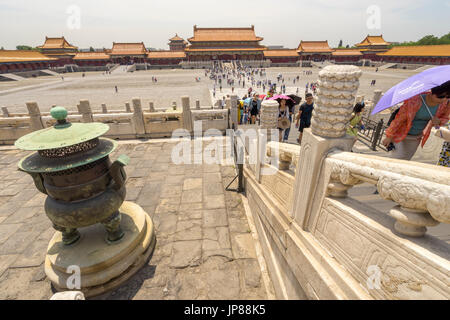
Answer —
(387, 66)
(12, 76)
(50, 72)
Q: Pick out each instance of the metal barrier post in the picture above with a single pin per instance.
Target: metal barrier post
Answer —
(376, 136)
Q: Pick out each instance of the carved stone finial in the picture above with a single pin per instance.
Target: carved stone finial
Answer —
(336, 96)
(269, 114)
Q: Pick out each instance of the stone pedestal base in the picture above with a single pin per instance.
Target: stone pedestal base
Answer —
(103, 266)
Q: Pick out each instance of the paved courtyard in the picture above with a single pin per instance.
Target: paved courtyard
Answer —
(171, 85)
(205, 248)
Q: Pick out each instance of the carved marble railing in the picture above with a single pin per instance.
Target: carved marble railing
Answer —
(211, 119)
(287, 154)
(421, 192)
(132, 122)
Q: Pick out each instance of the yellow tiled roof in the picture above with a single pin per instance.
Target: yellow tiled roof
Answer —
(314, 46)
(57, 43)
(224, 34)
(22, 56)
(190, 49)
(176, 38)
(92, 56)
(166, 54)
(128, 48)
(373, 40)
(346, 52)
(442, 50)
(281, 53)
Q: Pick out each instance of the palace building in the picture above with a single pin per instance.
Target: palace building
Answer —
(165, 58)
(372, 45)
(282, 55)
(224, 44)
(128, 53)
(432, 54)
(314, 50)
(92, 59)
(60, 49)
(177, 43)
(342, 56)
(24, 60)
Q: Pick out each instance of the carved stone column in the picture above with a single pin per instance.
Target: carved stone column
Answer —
(84, 108)
(5, 112)
(187, 114)
(35, 116)
(138, 117)
(151, 107)
(376, 97)
(269, 117)
(332, 111)
(234, 112)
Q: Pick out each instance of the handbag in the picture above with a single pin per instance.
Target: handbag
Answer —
(443, 133)
(284, 123)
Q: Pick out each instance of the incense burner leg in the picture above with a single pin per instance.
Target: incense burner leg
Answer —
(112, 226)
(69, 235)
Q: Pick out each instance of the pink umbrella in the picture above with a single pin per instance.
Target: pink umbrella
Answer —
(280, 97)
(289, 101)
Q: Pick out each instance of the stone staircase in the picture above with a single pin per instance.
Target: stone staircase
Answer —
(387, 66)
(131, 68)
(321, 64)
(12, 76)
(423, 68)
(50, 72)
(119, 69)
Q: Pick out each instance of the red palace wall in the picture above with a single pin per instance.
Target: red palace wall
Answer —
(284, 59)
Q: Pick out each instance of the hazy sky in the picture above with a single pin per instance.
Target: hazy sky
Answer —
(279, 22)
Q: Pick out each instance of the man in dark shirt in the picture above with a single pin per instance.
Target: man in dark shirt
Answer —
(304, 115)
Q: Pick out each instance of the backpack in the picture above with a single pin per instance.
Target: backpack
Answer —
(392, 117)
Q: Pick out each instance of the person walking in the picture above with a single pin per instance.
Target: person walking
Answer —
(288, 130)
(304, 115)
(254, 106)
(444, 157)
(355, 122)
(283, 112)
(413, 122)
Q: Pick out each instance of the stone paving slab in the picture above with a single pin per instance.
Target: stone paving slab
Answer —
(204, 247)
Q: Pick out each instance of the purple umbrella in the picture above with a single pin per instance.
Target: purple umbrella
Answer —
(413, 86)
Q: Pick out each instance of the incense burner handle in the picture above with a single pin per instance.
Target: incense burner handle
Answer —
(117, 171)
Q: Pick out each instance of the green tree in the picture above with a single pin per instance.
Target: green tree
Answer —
(91, 49)
(347, 46)
(23, 47)
(426, 41)
(2, 48)
(340, 44)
